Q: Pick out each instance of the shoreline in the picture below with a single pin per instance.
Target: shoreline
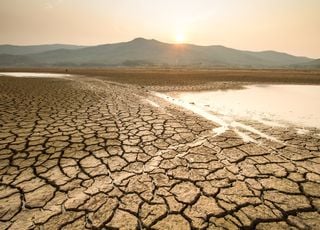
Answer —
(165, 80)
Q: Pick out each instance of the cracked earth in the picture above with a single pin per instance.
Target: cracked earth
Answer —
(82, 153)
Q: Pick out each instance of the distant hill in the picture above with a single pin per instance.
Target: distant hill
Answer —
(23, 50)
(9, 60)
(143, 52)
(314, 64)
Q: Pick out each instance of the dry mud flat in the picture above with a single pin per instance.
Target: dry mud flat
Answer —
(81, 153)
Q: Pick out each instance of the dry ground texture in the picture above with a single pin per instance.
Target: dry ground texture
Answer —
(84, 153)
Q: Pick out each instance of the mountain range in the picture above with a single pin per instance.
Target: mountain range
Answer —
(145, 52)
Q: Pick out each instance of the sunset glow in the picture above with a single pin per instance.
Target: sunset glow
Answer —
(290, 26)
(180, 38)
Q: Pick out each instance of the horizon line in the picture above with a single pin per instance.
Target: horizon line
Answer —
(152, 39)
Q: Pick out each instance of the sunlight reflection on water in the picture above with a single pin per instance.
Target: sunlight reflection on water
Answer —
(298, 104)
(36, 75)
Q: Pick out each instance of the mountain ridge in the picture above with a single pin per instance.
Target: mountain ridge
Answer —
(29, 49)
(141, 51)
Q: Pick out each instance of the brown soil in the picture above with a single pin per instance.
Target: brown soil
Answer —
(83, 153)
(189, 79)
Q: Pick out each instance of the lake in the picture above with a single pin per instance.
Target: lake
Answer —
(37, 75)
(273, 104)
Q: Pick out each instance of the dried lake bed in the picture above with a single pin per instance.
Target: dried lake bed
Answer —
(84, 153)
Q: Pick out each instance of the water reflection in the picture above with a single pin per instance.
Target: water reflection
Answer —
(37, 75)
(299, 104)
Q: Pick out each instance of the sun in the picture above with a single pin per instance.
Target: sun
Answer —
(180, 38)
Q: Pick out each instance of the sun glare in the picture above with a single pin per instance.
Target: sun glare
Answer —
(180, 38)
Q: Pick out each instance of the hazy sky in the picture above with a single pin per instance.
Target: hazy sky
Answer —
(291, 26)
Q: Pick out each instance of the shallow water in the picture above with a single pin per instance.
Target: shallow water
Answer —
(270, 104)
(37, 75)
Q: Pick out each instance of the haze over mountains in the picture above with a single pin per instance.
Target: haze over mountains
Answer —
(143, 52)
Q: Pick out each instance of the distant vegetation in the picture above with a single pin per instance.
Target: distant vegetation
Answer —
(143, 52)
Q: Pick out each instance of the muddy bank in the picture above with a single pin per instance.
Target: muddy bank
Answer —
(188, 79)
